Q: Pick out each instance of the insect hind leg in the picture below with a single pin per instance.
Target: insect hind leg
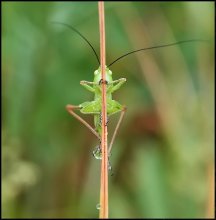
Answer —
(71, 108)
(123, 110)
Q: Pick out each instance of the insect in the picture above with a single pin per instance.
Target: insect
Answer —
(95, 107)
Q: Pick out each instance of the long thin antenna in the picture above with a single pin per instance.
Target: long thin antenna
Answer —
(75, 30)
(148, 48)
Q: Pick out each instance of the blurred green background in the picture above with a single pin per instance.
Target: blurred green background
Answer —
(162, 158)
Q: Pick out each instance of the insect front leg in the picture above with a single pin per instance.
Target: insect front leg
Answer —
(85, 85)
(117, 86)
(71, 108)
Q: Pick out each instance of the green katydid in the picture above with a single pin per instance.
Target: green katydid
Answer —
(94, 107)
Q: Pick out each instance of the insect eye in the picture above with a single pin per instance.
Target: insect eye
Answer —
(110, 72)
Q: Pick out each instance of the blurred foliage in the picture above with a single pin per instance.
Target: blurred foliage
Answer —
(17, 174)
(163, 156)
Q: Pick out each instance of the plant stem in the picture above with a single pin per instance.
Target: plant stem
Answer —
(104, 163)
(211, 192)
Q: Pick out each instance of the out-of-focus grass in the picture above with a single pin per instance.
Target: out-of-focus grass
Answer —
(163, 155)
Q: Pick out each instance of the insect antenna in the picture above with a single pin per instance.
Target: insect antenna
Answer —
(154, 47)
(84, 38)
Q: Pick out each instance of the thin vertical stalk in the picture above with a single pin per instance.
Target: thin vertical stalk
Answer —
(104, 163)
(210, 212)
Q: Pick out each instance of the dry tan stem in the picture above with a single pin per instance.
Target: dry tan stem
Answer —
(104, 163)
(211, 194)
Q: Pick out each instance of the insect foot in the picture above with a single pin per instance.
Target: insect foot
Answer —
(97, 153)
(83, 82)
